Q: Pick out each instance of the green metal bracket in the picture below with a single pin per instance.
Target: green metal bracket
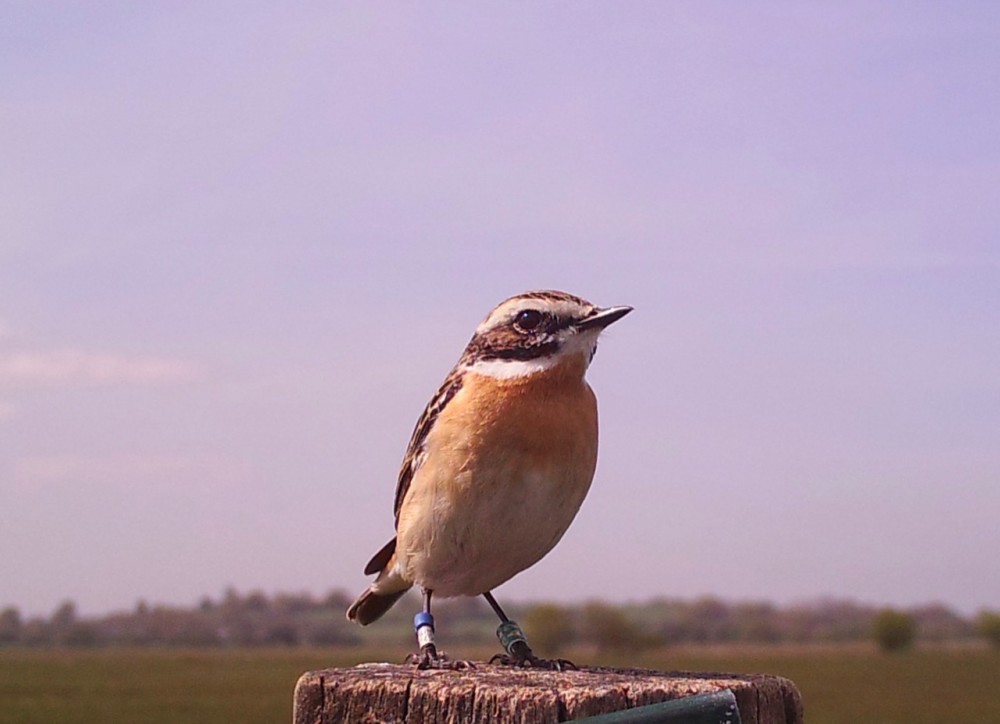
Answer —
(716, 708)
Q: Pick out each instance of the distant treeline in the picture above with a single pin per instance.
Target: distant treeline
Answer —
(256, 619)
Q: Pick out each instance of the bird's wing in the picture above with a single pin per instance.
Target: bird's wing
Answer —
(417, 449)
(381, 559)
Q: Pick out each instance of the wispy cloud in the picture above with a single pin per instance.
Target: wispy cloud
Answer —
(129, 470)
(73, 367)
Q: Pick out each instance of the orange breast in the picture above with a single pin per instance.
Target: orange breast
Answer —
(546, 419)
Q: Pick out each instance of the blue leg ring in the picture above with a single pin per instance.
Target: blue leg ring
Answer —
(423, 624)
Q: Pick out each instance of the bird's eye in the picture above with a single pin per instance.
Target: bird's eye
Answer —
(528, 320)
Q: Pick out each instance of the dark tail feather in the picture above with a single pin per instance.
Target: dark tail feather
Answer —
(380, 561)
(371, 606)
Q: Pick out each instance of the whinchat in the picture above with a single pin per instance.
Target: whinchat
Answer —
(497, 466)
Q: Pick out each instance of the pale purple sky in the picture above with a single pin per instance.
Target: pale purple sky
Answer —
(242, 243)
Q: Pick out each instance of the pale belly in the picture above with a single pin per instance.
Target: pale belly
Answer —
(490, 527)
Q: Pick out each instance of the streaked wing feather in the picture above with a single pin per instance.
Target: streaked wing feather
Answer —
(415, 451)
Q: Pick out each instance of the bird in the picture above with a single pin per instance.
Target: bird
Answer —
(497, 466)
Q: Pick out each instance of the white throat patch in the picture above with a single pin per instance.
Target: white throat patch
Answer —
(508, 369)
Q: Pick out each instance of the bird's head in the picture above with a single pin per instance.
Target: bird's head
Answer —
(535, 331)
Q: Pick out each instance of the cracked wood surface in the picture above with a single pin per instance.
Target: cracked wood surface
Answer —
(401, 693)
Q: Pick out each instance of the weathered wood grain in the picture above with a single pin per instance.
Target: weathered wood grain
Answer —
(401, 693)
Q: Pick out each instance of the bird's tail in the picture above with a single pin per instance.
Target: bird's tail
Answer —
(371, 605)
(388, 588)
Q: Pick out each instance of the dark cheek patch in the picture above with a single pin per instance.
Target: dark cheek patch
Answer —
(527, 352)
(505, 343)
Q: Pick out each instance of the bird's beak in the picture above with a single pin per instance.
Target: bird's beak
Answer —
(601, 318)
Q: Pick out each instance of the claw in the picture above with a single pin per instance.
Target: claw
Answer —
(430, 658)
(533, 662)
(523, 657)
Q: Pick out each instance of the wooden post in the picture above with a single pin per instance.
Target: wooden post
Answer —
(401, 693)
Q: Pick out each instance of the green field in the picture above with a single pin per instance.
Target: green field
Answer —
(842, 685)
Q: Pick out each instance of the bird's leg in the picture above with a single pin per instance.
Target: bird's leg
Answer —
(515, 644)
(428, 656)
(423, 626)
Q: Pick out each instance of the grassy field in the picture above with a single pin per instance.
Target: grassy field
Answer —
(839, 685)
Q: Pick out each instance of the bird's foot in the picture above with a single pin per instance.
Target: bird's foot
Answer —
(530, 661)
(519, 654)
(430, 658)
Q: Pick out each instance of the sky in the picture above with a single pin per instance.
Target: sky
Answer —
(241, 244)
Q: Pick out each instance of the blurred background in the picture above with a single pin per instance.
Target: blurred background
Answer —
(242, 243)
